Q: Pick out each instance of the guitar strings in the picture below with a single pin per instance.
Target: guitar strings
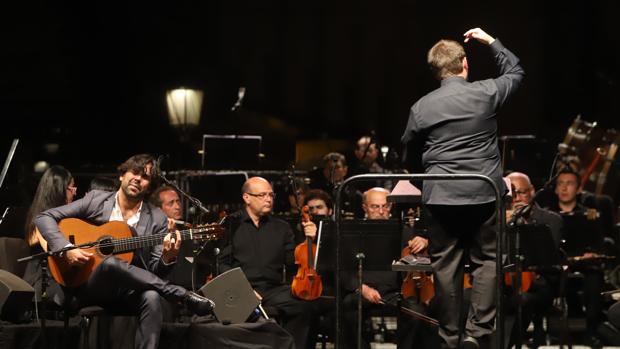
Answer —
(126, 242)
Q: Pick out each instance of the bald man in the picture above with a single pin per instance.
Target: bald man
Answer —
(539, 296)
(262, 246)
(379, 286)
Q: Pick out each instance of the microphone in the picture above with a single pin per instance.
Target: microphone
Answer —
(240, 95)
(157, 166)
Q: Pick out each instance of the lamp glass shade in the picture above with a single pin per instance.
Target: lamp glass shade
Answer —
(184, 106)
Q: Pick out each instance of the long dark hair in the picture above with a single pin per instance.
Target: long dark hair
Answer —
(51, 192)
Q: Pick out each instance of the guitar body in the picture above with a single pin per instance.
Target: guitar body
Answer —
(80, 232)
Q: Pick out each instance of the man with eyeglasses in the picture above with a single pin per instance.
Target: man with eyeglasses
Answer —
(262, 246)
(544, 288)
(378, 286)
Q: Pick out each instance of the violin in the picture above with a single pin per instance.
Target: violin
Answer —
(417, 284)
(527, 278)
(307, 284)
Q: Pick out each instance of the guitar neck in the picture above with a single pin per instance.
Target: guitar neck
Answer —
(132, 243)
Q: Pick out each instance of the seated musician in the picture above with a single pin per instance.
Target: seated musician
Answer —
(262, 245)
(115, 284)
(583, 240)
(332, 174)
(56, 188)
(168, 200)
(379, 286)
(544, 288)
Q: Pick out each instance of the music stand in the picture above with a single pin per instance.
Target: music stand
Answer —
(365, 245)
(226, 152)
(537, 250)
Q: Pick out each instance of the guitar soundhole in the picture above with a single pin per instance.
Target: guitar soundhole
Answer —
(106, 247)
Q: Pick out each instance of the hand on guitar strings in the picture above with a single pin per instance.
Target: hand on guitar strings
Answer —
(172, 244)
(78, 256)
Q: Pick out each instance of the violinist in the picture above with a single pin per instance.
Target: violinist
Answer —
(261, 245)
(380, 288)
(319, 203)
(539, 296)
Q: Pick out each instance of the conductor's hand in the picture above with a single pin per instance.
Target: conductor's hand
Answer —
(418, 244)
(370, 294)
(479, 35)
(172, 244)
(309, 229)
(78, 256)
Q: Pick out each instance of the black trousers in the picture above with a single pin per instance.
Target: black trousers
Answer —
(534, 304)
(455, 233)
(124, 288)
(586, 292)
(299, 317)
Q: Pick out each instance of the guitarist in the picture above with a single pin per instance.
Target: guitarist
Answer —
(115, 284)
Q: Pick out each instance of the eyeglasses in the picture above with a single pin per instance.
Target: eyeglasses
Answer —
(73, 189)
(376, 207)
(263, 196)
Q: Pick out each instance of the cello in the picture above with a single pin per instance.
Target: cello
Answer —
(307, 284)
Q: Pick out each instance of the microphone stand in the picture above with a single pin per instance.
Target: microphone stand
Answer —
(43, 256)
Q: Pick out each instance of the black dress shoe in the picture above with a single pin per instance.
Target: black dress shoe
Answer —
(470, 342)
(198, 304)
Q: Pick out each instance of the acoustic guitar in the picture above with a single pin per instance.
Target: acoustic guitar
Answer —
(111, 239)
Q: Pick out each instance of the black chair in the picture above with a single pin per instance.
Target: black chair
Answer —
(12, 249)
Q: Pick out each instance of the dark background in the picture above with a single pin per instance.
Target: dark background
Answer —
(92, 75)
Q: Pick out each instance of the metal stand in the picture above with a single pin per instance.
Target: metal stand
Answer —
(44, 300)
(43, 256)
(500, 212)
(360, 281)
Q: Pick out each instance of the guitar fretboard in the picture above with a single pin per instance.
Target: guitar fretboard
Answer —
(135, 242)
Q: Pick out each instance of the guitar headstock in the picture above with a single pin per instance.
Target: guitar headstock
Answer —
(208, 232)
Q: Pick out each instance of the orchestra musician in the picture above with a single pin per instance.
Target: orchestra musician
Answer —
(115, 284)
(456, 124)
(261, 245)
(167, 199)
(583, 240)
(378, 286)
(544, 288)
(56, 188)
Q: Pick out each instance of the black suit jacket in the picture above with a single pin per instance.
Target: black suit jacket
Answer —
(458, 127)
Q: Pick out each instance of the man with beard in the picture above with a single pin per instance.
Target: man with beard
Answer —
(114, 284)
